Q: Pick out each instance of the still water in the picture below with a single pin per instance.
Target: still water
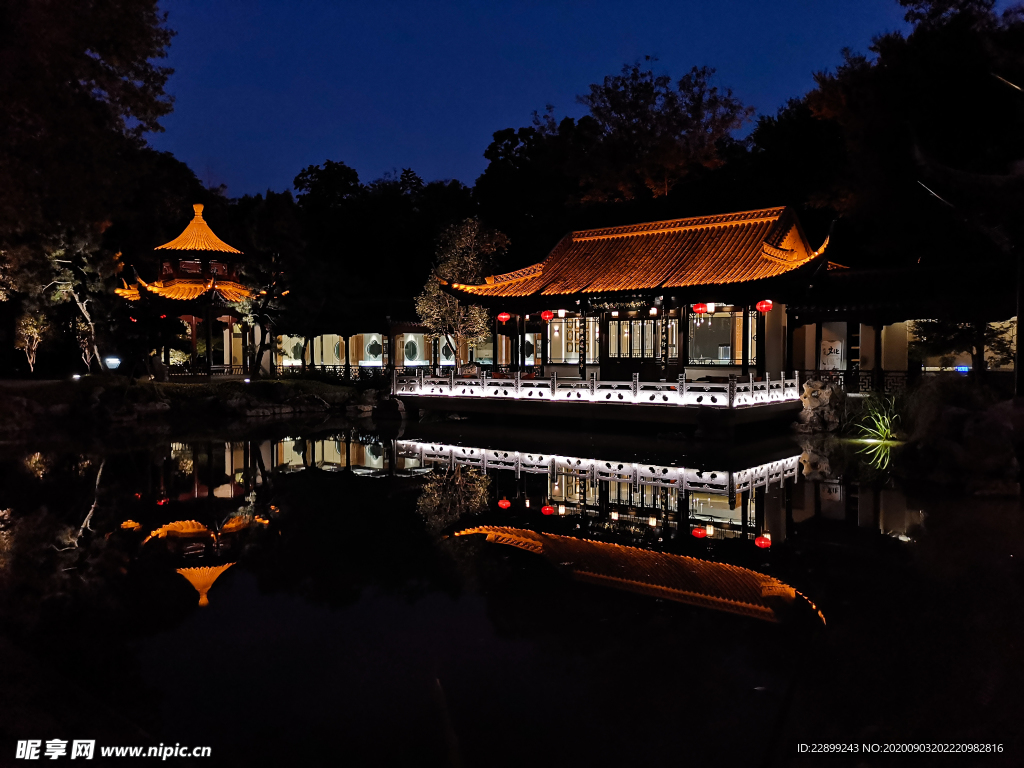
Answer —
(459, 596)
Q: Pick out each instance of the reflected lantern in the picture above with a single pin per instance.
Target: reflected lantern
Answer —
(504, 503)
(763, 542)
(764, 306)
(547, 315)
(547, 509)
(699, 533)
(504, 317)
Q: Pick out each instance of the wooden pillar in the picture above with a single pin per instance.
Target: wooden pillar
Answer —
(789, 365)
(209, 339)
(664, 341)
(746, 340)
(497, 345)
(744, 513)
(879, 374)
(761, 350)
(195, 338)
(582, 345)
(684, 338)
(817, 347)
(522, 342)
(348, 358)
(245, 346)
(545, 329)
(849, 384)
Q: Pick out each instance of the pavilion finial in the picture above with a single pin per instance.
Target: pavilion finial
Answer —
(198, 208)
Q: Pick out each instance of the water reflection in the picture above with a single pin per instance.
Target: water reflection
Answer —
(549, 546)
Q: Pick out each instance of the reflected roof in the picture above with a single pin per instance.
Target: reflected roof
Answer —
(679, 578)
(202, 579)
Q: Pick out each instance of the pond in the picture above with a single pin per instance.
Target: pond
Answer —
(464, 595)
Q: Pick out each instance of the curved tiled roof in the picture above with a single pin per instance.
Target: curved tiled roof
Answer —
(185, 290)
(197, 237)
(673, 577)
(702, 250)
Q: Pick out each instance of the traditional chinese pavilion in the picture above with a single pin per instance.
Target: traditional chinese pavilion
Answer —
(198, 282)
(661, 299)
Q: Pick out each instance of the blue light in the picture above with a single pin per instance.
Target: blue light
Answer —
(112, 362)
(962, 368)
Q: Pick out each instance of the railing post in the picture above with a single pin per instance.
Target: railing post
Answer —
(593, 385)
(681, 388)
(451, 382)
(796, 383)
(419, 381)
(554, 385)
(518, 374)
(394, 380)
(636, 385)
(732, 390)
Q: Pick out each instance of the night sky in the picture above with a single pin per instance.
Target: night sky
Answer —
(265, 88)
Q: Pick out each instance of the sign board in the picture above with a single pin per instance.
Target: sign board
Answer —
(831, 355)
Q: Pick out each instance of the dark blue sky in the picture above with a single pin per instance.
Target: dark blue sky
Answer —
(265, 88)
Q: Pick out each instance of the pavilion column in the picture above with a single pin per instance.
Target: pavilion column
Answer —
(879, 374)
(195, 340)
(850, 333)
(245, 346)
(208, 322)
(684, 338)
(497, 346)
(746, 340)
(817, 347)
(582, 345)
(348, 358)
(761, 350)
(664, 341)
(789, 365)
(544, 330)
(522, 342)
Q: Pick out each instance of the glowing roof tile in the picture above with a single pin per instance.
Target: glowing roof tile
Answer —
(198, 237)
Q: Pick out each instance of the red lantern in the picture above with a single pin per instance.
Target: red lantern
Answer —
(699, 533)
(764, 306)
(504, 503)
(547, 509)
(546, 315)
(700, 309)
(163, 501)
(763, 542)
(504, 316)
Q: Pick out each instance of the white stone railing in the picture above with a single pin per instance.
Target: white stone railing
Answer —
(737, 392)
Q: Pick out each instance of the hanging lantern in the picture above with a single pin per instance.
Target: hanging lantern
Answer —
(764, 306)
(763, 541)
(504, 503)
(547, 315)
(547, 509)
(504, 317)
(700, 309)
(699, 533)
